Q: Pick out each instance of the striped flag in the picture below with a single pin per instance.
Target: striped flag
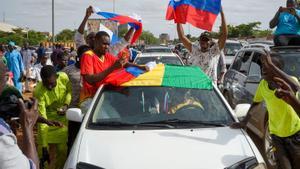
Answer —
(137, 24)
(200, 13)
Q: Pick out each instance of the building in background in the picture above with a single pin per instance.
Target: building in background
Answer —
(164, 38)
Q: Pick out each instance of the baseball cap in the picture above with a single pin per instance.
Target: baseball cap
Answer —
(205, 35)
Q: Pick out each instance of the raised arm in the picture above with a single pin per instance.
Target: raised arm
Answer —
(275, 20)
(121, 44)
(186, 42)
(28, 118)
(279, 73)
(224, 32)
(88, 13)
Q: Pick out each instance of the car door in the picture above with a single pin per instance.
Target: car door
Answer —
(254, 76)
(242, 68)
(237, 76)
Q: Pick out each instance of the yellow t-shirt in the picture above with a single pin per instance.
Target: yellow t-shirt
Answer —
(283, 120)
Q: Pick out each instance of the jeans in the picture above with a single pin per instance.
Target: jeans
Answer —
(287, 151)
(287, 40)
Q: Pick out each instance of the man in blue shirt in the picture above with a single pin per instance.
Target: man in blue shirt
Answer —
(40, 52)
(15, 65)
(287, 21)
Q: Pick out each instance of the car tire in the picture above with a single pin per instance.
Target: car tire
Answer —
(269, 149)
(228, 98)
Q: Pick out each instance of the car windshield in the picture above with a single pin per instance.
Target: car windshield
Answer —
(164, 60)
(155, 50)
(232, 48)
(291, 64)
(151, 106)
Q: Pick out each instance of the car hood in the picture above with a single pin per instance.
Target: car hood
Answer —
(162, 149)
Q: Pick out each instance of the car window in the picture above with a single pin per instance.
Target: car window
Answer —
(291, 63)
(242, 63)
(137, 105)
(236, 64)
(232, 48)
(164, 60)
(159, 50)
(255, 68)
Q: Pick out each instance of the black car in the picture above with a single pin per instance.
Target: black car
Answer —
(240, 85)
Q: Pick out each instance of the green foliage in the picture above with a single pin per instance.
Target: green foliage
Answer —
(247, 30)
(149, 38)
(19, 37)
(65, 35)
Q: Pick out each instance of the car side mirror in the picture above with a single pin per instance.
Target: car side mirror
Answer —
(74, 114)
(253, 79)
(241, 110)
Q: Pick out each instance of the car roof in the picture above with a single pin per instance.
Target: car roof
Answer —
(158, 54)
(157, 47)
(255, 49)
(233, 41)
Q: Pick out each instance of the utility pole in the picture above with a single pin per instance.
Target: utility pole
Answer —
(53, 35)
(114, 6)
(3, 16)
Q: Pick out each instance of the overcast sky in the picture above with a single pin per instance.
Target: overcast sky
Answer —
(36, 14)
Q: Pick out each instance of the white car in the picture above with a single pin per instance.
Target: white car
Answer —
(160, 128)
(165, 58)
(154, 49)
(230, 49)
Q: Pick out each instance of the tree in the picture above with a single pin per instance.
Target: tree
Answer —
(65, 35)
(19, 37)
(247, 30)
(149, 38)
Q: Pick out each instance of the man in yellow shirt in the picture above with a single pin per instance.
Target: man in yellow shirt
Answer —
(54, 96)
(284, 122)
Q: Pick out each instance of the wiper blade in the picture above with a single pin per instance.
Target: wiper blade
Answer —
(187, 122)
(112, 124)
(122, 124)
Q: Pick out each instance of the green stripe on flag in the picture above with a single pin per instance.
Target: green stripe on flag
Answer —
(186, 77)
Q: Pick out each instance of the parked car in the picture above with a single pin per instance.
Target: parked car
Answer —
(165, 58)
(241, 82)
(258, 45)
(266, 42)
(231, 48)
(145, 127)
(155, 49)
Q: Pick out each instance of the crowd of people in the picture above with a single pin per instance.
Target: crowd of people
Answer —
(73, 76)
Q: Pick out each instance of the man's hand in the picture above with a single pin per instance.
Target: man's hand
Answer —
(280, 9)
(292, 11)
(145, 68)
(285, 91)
(54, 123)
(62, 111)
(89, 11)
(120, 63)
(28, 117)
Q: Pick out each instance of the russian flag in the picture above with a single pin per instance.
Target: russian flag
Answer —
(124, 20)
(200, 13)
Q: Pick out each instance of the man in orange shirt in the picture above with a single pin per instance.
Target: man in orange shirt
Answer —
(96, 65)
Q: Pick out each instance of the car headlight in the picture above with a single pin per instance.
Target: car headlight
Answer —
(248, 163)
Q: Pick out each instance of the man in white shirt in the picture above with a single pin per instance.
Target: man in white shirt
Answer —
(114, 49)
(27, 61)
(205, 53)
(36, 71)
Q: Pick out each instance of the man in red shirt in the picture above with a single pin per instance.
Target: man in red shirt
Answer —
(96, 65)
